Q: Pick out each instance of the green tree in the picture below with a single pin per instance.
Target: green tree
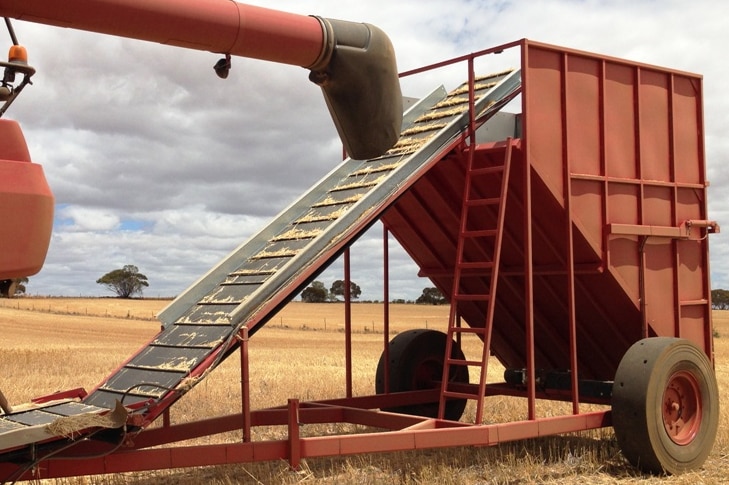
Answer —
(10, 288)
(720, 299)
(125, 282)
(431, 296)
(316, 293)
(338, 288)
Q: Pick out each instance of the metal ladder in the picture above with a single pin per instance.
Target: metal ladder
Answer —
(477, 261)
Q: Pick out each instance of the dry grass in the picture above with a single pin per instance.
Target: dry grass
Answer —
(47, 348)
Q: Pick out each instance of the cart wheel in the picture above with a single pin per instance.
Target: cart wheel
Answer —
(665, 405)
(416, 362)
(7, 288)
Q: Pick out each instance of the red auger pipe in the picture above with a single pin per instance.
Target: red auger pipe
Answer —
(354, 63)
(220, 26)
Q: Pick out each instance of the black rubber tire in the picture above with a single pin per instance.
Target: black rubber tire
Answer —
(416, 361)
(665, 405)
(7, 288)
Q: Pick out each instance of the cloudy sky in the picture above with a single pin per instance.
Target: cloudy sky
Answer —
(156, 162)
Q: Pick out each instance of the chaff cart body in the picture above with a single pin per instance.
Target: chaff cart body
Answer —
(570, 237)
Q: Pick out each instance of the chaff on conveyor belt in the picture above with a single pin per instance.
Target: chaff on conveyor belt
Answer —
(70, 426)
(300, 240)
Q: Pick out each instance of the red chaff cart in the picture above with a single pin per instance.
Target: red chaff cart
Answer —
(570, 237)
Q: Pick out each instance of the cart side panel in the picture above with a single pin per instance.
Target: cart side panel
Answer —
(624, 142)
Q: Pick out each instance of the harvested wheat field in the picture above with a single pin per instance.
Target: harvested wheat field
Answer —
(58, 343)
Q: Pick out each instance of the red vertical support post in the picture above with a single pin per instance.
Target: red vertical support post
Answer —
(245, 385)
(674, 206)
(708, 325)
(641, 197)
(570, 259)
(471, 155)
(386, 304)
(347, 323)
(528, 269)
(471, 108)
(294, 441)
(529, 292)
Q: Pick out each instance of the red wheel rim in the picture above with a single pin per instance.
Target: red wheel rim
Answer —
(682, 407)
(426, 373)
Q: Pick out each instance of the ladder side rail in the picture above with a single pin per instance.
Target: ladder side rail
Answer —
(494, 275)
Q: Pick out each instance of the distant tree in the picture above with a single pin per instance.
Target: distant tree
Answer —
(338, 288)
(12, 287)
(125, 282)
(720, 299)
(20, 285)
(316, 293)
(431, 296)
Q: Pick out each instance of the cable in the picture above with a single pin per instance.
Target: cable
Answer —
(11, 31)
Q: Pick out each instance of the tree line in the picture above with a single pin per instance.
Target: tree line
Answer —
(317, 292)
(127, 282)
(720, 299)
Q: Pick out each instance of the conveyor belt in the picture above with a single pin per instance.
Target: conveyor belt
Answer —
(247, 287)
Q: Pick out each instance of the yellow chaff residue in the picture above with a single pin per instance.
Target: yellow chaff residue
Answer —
(329, 201)
(408, 145)
(281, 253)
(371, 170)
(476, 87)
(436, 115)
(451, 101)
(322, 217)
(180, 364)
(358, 185)
(495, 74)
(253, 272)
(70, 426)
(295, 235)
(423, 128)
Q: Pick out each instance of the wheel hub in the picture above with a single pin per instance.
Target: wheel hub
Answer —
(682, 408)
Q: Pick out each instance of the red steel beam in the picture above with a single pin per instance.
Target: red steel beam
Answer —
(314, 447)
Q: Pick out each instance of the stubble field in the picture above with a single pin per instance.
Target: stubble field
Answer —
(58, 344)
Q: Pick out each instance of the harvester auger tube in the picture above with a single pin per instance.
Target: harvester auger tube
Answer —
(361, 87)
(354, 63)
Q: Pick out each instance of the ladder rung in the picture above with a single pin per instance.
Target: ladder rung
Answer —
(474, 297)
(476, 264)
(483, 202)
(460, 395)
(480, 233)
(476, 330)
(463, 363)
(487, 170)
(480, 274)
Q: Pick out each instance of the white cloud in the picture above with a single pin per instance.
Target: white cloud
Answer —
(82, 219)
(156, 162)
